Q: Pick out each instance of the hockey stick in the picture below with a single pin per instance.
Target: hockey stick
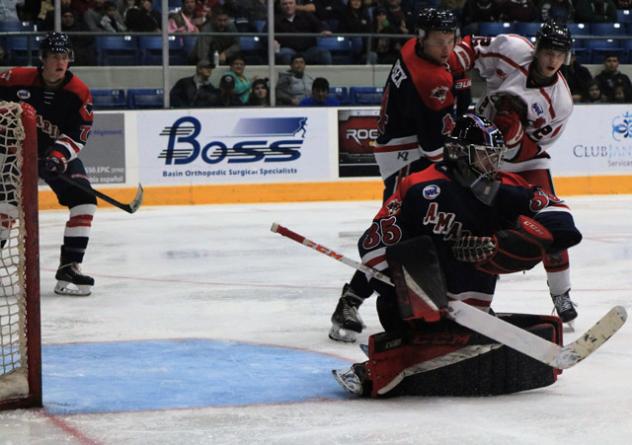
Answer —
(552, 354)
(129, 208)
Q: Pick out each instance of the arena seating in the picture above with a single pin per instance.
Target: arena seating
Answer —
(145, 98)
(108, 99)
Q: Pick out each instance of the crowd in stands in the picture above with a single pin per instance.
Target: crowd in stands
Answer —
(321, 17)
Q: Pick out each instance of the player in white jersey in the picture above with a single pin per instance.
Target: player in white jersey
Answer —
(530, 102)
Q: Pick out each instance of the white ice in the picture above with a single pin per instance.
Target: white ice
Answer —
(217, 272)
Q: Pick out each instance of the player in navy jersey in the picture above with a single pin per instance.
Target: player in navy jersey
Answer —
(421, 98)
(478, 223)
(64, 119)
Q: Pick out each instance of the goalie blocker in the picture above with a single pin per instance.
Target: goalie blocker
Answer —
(422, 353)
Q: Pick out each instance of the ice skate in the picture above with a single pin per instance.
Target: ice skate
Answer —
(70, 281)
(565, 307)
(349, 379)
(345, 321)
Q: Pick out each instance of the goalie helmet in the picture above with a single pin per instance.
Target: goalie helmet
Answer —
(475, 145)
(56, 43)
(557, 36)
(434, 19)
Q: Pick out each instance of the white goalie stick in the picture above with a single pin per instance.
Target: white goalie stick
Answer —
(552, 354)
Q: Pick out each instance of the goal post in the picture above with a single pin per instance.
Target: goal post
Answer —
(20, 335)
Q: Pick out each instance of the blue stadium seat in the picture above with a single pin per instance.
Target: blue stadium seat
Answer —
(107, 99)
(365, 95)
(339, 47)
(189, 45)
(600, 47)
(260, 25)
(117, 50)
(607, 29)
(582, 53)
(22, 50)
(150, 50)
(494, 28)
(579, 29)
(527, 29)
(15, 26)
(627, 46)
(145, 98)
(252, 49)
(340, 93)
(624, 15)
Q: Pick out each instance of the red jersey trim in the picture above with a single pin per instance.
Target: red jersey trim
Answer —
(429, 174)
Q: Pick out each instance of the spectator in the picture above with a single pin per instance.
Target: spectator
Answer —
(227, 96)
(320, 95)
(46, 10)
(623, 4)
(122, 6)
(183, 20)
(83, 46)
(242, 86)
(386, 49)
(111, 21)
(578, 78)
(397, 16)
(196, 91)
(355, 18)
(476, 11)
(329, 10)
(248, 13)
(93, 15)
(260, 95)
(611, 77)
(291, 20)
(562, 11)
(519, 11)
(593, 94)
(595, 11)
(294, 84)
(142, 17)
(225, 46)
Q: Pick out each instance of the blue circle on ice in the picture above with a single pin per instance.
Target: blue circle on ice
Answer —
(170, 374)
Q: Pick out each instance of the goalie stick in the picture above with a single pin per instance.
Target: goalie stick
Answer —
(129, 208)
(561, 357)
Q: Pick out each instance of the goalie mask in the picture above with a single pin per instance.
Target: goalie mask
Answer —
(56, 43)
(555, 36)
(474, 151)
(433, 19)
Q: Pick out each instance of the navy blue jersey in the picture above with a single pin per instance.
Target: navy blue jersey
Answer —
(64, 114)
(431, 203)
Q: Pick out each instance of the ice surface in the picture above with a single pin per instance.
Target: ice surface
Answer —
(218, 273)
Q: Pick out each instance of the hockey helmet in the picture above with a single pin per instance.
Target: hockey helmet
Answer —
(436, 19)
(56, 43)
(557, 36)
(475, 144)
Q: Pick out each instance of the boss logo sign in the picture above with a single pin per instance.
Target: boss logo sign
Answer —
(255, 140)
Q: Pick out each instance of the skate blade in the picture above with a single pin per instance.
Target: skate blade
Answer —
(338, 333)
(73, 290)
(569, 326)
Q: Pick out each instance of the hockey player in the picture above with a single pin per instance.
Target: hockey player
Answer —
(529, 100)
(465, 223)
(64, 120)
(417, 112)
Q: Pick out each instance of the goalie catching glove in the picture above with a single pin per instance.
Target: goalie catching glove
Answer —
(509, 250)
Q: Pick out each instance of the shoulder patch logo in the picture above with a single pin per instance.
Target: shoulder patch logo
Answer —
(431, 191)
(398, 74)
(439, 93)
(23, 94)
(537, 108)
(448, 124)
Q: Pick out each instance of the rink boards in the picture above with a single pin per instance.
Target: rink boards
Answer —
(304, 154)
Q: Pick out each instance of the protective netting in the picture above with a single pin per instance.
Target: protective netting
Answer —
(13, 358)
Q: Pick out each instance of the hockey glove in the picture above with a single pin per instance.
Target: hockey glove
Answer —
(507, 251)
(55, 163)
(509, 124)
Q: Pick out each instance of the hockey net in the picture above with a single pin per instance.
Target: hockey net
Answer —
(20, 356)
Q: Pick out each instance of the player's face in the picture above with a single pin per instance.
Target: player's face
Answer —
(438, 45)
(549, 61)
(54, 67)
(486, 161)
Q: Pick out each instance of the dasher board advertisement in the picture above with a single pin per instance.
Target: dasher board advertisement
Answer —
(104, 154)
(596, 141)
(357, 134)
(233, 146)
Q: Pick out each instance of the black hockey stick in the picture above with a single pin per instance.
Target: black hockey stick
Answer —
(129, 208)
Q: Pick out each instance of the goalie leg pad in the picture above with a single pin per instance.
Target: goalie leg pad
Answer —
(449, 360)
(518, 249)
